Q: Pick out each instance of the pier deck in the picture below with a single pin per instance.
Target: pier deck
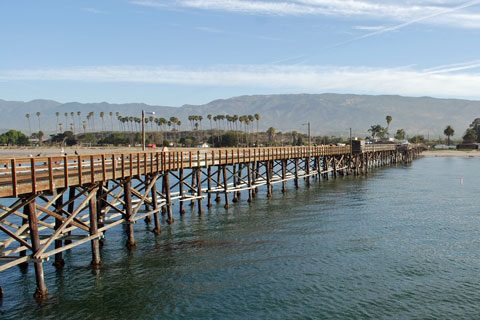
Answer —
(58, 203)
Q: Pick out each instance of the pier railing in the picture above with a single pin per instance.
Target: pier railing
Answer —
(33, 174)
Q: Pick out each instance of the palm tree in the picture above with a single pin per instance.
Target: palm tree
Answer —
(38, 115)
(72, 128)
(60, 126)
(448, 132)
(200, 118)
(389, 119)
(257, 118)
(84, 124)
(102, 115)
(151, 121)
(190, 118)
(79, 113)
(111, 119)
(29, 125)
(66, 117)
(210, 118)
(56, 127)
(271, 133)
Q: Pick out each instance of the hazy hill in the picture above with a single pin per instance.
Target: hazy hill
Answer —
(327, 113)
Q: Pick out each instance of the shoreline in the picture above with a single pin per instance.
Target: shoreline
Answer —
(452, 153)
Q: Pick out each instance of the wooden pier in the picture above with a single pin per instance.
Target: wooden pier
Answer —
(58, 203)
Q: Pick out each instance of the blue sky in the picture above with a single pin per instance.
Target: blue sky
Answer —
(175, 52)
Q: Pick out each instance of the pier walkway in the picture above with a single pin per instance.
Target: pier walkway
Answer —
(53, 204)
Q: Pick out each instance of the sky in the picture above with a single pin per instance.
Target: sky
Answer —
(175, 52)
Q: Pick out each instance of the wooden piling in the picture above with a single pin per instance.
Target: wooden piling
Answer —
(199, 190)
(156, 216)
(225, 186)
(180, 190)
(296, 173)
(209, 186)
(268, 173)
(168, 199)
(59, 262)
(250, 179)
(127, 197)
(41, 290)
(234, 199)
(93, 231)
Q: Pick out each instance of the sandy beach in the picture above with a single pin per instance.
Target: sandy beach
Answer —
(451, 153)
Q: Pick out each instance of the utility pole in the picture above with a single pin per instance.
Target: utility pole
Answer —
(309, 137)
(143, 130)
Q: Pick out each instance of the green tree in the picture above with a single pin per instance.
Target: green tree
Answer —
(448, 132)
(469, 136)
(417, 139)
(475, 126)
(400, 135)
(271, 134)
(377, 131)
(13, 137)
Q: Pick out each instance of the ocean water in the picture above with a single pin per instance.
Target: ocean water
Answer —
(402, 242)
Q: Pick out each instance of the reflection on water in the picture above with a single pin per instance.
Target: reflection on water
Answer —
(400, 243)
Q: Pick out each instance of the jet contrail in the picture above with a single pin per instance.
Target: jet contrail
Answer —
(402, 25)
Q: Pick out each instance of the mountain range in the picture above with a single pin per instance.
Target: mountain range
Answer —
(328, 114)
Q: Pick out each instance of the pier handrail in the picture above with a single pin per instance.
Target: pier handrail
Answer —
(21, 175)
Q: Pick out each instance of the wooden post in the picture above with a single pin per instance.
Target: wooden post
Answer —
(307, 170)
(209, 186)
(284, 175)
(234, 183)
(148, 178)
(199, 190)
(180, 189)
(268, 173)
(239, 174)
(250, 178)
(100, 207)
(334, 158)
(219, 167)
(296, 173)
(166, 181)
(225, 186)
(24, 266)
(41, 290)
(156, 216)
(325, 167)
(127, 197)
(192, 191)
(93, 230)
(59, 262)
(71, 207)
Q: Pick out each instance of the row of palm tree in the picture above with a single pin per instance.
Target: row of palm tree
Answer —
(75, 123)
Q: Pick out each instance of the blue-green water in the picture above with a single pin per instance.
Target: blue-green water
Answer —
(402, 242)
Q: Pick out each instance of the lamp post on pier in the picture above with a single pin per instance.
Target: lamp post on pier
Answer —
(143, 128)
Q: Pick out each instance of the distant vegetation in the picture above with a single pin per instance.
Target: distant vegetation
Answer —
(216, 130)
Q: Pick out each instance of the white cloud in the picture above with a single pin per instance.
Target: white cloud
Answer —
(440, 81)
(93, 10)
(369, 28)
(399, 11)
